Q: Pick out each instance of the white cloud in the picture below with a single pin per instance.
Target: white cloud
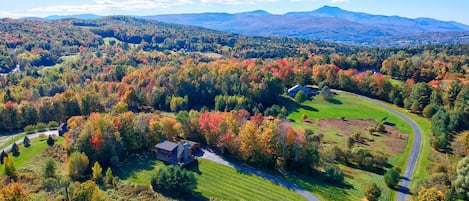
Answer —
(235, 2)
(339, 1)
(106, 6)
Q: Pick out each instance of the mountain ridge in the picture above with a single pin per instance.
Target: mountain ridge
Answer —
(327, 23)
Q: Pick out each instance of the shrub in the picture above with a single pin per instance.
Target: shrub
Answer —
(380, 127)
(41, 126)
(173, 180)
(52, 124)
(372, 192)
(77, 166)
(49, 169)
(300, 97)
(29, 129)
(87, 191)
(42, 136)
(10, 169)
(350, 142)
(49, 184)
(333, 174)
(326, 93)
(391, 178)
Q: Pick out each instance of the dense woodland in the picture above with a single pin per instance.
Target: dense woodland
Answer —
(110, 78)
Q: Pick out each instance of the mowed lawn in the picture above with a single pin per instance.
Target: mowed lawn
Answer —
(27, 154)
(214, 181)
(342, 105)
(348, 106)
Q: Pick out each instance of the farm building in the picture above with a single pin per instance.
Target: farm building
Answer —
(307, 90)
(181, 153)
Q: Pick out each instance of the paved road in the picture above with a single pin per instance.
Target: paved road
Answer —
(209, 155)
(30, 136)
(403, 190)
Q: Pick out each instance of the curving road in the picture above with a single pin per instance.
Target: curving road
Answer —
(403, 190)
(209, 155)
(30, 136)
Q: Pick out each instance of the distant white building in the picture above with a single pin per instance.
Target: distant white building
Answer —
(307, 90)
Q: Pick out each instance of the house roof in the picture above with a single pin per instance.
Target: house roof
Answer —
(166, 145)
(294, 88)
(191, 143)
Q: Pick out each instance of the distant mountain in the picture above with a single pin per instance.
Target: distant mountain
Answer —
(81, 16)
(330, 24)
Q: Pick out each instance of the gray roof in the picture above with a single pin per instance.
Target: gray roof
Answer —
(166, 145)
(191, 143)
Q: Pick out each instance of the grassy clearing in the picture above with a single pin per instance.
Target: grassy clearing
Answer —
(342, 105)
(214, 180)
(108, 40)
(27, 154)
(347, 106)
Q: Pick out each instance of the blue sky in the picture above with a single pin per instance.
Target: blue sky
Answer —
(455, 10)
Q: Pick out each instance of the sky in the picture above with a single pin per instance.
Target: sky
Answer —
(447, 10)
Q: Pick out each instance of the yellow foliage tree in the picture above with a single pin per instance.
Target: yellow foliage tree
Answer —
(430, 194)
(14, 192)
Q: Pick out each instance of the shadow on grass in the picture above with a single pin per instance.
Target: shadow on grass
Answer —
(194, 167)
(389, 123)
(293, 106)
(192, 196)
(315, 184)
(307, 107)
(334, 101)
(134, 164)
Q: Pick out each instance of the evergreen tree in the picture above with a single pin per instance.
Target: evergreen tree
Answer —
(15, 149)
(97, 173)
(49, 169)
(50, 140)
(26, 141)
(109, 176)
(174, 180)
(2, 156)
(461, 183)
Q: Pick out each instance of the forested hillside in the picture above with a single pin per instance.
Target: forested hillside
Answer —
(96, 71)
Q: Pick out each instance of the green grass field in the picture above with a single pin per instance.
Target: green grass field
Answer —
(342, 105)
(350, 107)
(214, 180)
(27, 154)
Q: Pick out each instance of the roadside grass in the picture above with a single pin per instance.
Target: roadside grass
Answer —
(214, 180)
(355, 183)
(348, 106)
(423, 161)
(27, 154)
(12, 140)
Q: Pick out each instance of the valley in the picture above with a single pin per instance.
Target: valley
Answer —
(326, 104)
